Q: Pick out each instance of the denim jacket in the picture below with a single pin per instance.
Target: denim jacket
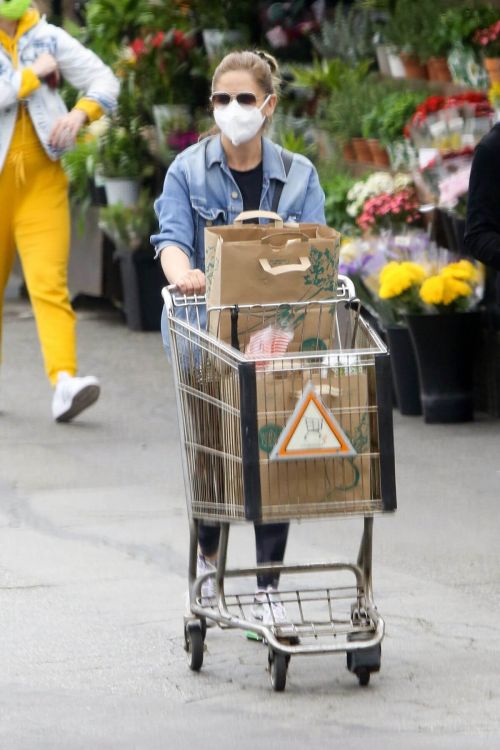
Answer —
(78, 65)
(200, 191)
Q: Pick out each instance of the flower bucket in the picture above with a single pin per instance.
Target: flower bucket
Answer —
(492, 65)
(445, 348)
(404, 370)
(437, 69)
(414, 69)
(119, 190)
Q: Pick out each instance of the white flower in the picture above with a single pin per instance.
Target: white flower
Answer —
(98, 127)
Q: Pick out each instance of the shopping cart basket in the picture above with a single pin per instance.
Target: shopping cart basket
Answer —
(279, 437)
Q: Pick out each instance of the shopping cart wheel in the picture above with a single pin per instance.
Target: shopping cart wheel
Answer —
(194, 644)
(363, 675)
(363, 662)
(278, 666)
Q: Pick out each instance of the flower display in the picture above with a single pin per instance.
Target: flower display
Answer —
(162, 62)
(488, 39)
(376, 184)
(388, 210)
(414, 288)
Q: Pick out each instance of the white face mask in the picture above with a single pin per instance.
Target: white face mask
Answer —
(240, 124)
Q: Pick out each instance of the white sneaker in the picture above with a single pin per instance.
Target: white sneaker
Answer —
(208, 592)
(73, 395)
(268, 608)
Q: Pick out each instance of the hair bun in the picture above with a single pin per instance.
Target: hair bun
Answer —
(270, 60)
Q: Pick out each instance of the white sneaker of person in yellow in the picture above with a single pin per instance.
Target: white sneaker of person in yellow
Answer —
(72, 395)
(268, 608)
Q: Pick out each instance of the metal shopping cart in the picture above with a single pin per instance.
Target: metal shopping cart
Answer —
(246, 457)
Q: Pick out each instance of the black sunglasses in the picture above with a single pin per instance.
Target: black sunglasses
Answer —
(222, 99)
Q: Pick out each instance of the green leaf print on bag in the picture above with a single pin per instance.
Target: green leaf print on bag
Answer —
(322, 274)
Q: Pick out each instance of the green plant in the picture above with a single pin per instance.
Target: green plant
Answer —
(109, 23)
(129, 227)
(390, 114)
(79, 165)
(296, 142)
(459, 24)
(322, 77)
(348, 35)
(336, 186)
(414, 28)
(351, 103)
(122, 151)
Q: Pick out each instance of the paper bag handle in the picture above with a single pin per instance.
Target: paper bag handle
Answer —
(278, 221)
(283, 238)
(303, 265)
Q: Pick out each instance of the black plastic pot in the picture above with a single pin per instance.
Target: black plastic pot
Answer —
(445, 349)
(142, 282)
(404, 370)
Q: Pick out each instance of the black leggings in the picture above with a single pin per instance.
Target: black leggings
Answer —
(270, 543)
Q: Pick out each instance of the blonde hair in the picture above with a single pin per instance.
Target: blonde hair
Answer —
(261, 65)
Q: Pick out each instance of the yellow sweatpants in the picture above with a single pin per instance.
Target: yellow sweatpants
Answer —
(35, 219)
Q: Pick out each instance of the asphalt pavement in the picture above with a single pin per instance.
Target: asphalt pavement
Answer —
(93, 556)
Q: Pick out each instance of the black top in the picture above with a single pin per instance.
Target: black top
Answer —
(482, 232)
(250, 185)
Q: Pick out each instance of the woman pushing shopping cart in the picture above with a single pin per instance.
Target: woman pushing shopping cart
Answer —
(238, 463)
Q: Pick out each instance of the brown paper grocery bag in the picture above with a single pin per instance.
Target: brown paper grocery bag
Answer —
(267, 263)
(334, 482)
(299, 488)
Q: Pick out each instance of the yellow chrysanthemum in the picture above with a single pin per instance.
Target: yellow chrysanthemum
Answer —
(455, 288)
(443, 290)
(432, 290)
(388, 270)
(396, 278)
(415, 271)
(463, 269)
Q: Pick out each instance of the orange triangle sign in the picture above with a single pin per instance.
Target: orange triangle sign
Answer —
(311, 432)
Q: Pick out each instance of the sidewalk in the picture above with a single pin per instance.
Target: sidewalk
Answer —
(93, 543)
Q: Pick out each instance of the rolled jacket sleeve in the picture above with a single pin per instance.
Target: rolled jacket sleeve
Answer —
(175, 216)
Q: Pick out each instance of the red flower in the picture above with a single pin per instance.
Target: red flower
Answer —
(138, 47)
(158, 39)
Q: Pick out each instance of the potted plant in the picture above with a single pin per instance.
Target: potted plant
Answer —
(405, 31)
(122, 161)
(347, 35)
(370, 131)
(488, 41)
(129, 228)
(459, 24)
(445, 336)
(345, 112)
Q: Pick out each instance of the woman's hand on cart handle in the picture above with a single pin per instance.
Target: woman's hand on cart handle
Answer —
(191, 282)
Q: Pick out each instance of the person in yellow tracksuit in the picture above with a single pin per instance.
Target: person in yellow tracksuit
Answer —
(35, 129)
